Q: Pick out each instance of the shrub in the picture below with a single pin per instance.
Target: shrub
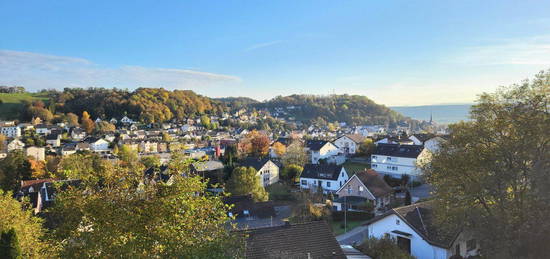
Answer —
(280, 192)
(384, 248)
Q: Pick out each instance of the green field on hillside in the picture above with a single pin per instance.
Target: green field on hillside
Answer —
(11, 105)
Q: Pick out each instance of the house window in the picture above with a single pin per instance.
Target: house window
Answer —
(360, 189)
(389, 158)
(471, 244)
(373, 157)
(304, 182)
(397, 222)
(374, 166)
(349, 189)
(457, 249)
(328, 184)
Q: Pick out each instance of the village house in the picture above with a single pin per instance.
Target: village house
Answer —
(396, 160)
(42, 129)
(349, 144)
(11, 131)
(78, 134)
(266, 169)
(68, 149)
(15, 144)
(419, 139)
(328, 177)
(321, 149)
(99, 145)
(127, 120)
(53, 139)
(211, 170)
(415, 231)
(305, 240)
(366, 185)
(37, 153)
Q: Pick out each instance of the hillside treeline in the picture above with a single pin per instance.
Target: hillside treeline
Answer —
(149, 105)
(352, 109)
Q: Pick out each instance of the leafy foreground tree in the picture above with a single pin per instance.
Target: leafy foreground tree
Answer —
(14, 168)
(493, 174)
(245, 181)
(9, 245)
(384, 248)
(122, 215)
(22, 233)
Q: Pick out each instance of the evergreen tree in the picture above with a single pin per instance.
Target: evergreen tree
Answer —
(9, 245)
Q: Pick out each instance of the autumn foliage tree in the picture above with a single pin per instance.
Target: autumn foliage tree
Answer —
(72, 119)
(87, 123)
(279, 149)
(29, 231)
(38, 169)
(492, 175)
(255, 144)
(125, 216)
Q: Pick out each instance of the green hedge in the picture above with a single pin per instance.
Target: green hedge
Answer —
(351, 215)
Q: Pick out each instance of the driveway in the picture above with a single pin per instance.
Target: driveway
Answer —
(356, 235)
(421, 192)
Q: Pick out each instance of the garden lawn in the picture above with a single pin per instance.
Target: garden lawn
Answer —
(354, 167)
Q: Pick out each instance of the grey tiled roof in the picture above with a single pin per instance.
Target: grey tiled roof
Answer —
(305, 240)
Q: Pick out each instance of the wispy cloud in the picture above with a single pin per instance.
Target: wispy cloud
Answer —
(263, 45)
(36, 71)
(519, 51)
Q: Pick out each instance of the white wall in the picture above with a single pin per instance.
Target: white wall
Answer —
(326, 151)
(403, 165)
(344, 143)
(11, 132)
(100, 145)
(272, 169)
(420, 248)
(311, 183)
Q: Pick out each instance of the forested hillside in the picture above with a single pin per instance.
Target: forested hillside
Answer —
(235, 103)
(153, 105)
(145, 104)
(352, 109)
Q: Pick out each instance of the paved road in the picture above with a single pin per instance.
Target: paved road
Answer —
(421, 192)
(356, 235)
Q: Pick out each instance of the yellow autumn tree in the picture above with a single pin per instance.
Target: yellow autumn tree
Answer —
(279, 149)
(87, 123)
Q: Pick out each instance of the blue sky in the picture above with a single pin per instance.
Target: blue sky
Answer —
(395, 52)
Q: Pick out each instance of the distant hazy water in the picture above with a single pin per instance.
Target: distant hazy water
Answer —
(443, 114)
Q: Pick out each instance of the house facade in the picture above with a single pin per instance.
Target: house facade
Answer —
(320, 149)
(368, 185)
(38, 153)
(349, 144)
(415, 231)
(99, 145)
(15, 144)
(11, 131)
(396, 160)
(267, 170)
(328, 177)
